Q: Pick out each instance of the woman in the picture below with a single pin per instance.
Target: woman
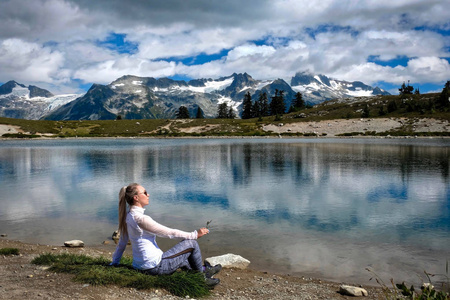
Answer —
(142, 230)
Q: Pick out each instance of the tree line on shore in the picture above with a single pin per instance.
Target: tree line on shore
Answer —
(261, 107)
(252, 109)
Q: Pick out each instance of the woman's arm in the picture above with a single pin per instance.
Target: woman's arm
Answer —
(117, 255)
(148, 224)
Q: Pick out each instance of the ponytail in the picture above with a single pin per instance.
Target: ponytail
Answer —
(126, 195)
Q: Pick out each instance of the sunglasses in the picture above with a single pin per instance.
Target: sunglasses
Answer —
(145, 193)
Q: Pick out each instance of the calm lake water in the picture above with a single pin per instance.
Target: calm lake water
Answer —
(324, 208)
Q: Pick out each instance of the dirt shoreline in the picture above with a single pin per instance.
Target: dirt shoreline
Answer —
(23, 280)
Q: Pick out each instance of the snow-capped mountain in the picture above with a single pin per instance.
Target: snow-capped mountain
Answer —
(29, 102)
(135, 97)
(319, 88)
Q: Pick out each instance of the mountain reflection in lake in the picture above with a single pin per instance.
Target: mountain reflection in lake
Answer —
(318, 207)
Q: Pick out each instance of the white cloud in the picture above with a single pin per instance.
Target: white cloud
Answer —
(188, 43)
(30, 62)
(45, 20)
(108, 71)
(429, 68)
(59, 39)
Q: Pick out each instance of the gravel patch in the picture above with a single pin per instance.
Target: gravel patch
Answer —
(22, 280)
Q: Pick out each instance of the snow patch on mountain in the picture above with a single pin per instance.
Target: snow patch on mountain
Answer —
(114, 86)
(210, 86)
(230, 102)
(162, 90)
(358, 92)
(59, 100)
(18, 91)
(264, 83)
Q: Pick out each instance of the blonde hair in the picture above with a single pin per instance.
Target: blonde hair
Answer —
(126, 196)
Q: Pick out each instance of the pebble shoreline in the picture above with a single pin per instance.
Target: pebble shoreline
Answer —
(21, 279)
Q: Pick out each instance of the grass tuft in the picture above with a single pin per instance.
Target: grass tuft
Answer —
(97, 271)
(9, 251)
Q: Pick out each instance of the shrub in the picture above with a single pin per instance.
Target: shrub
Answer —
(9, 251)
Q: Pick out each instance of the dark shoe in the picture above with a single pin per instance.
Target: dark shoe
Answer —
(211, 271)
(212, 282)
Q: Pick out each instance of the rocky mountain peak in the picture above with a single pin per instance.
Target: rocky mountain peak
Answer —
(38, 92)
(8, 87)
(302, 78)
(33, 91)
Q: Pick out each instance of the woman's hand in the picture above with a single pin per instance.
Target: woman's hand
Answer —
(202, 231)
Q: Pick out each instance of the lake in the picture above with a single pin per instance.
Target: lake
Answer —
(326, 208)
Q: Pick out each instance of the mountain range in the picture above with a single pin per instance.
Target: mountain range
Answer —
(29, 102)
(134, 97)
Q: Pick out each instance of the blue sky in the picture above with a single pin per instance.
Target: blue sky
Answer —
(66, 46)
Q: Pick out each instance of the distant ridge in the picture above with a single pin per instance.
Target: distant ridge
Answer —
(135, 97)
(29, 102)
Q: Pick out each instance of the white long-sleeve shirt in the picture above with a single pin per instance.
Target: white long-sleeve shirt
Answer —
(142, 232)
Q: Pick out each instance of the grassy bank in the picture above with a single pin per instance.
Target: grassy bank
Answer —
(414, 107)
(97, 271)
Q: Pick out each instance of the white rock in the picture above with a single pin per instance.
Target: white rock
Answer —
(229, 261)
(352, 291)
(74, 243)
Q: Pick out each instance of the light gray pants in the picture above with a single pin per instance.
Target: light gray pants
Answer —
(185, 254)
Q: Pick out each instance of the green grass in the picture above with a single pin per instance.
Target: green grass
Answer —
(97, 271)
(9, 251)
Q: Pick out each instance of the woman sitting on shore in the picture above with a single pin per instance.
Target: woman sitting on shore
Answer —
(142, 230)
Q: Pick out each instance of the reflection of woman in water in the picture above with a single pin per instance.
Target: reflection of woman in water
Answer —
(142, 230)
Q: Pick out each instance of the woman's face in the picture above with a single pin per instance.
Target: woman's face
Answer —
(142, 197)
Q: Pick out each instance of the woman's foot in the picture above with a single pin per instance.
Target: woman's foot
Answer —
(211, 282)
(210, 271)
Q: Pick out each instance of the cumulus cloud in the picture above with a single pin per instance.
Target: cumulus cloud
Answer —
(45, 20)
(107, 71)
(429, 68)
(30, 62)
(61, 41)
(189, 43)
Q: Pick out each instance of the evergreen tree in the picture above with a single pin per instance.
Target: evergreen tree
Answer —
(277, 106)
(247, 106)
(417, 91)
(281, 104)
(231, 114)
(406, 89)
(299, 103)
(182, 113)
(263, 104)
(444, 98)
(199, 114)
(256, 110)
(222, 111)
